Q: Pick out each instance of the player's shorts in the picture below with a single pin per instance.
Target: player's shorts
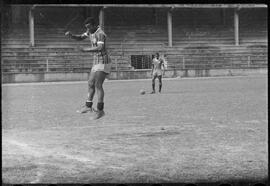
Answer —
(102, 67)
(102, 63)
(157, 73)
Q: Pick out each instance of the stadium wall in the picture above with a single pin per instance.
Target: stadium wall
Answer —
(122, 75)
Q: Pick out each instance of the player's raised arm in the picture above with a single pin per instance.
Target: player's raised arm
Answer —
(76, 37)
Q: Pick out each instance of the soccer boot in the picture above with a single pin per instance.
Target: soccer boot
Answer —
(85, 109)
(98, 114)
(153, 92)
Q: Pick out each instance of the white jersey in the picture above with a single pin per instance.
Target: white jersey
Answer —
(157, 66)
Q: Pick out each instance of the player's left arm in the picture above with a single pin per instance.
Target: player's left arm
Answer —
(99, 47)
(163, 67)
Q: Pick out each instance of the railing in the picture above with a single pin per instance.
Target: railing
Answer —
(216, 62)
(46, 65)
(174, 62)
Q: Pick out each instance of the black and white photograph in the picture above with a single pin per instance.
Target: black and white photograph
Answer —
(130, 94)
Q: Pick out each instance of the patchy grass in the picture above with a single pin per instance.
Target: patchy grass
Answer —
(197, 130)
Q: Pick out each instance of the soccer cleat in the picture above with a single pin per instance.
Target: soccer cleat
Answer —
(98, 114)
(153, 92)
(85, 109)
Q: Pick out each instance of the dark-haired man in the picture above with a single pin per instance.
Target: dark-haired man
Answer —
(157, 72)
(101, 65)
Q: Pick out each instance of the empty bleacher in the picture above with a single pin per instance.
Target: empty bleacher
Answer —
(203, 47)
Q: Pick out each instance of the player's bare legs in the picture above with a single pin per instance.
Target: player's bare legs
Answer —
(153, 84)
(160, 83)
(91, 87)
(99, 80)
(91, 92)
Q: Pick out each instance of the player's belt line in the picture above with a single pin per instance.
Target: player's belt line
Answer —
(127, 80)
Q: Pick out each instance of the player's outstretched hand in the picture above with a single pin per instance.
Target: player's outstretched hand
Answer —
(80, 49)
(68, 33)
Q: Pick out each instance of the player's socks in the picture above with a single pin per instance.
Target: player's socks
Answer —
(87, 107)
(160, 88)
(100, 105)
(89, 103)
(153, 88)
(100, 112)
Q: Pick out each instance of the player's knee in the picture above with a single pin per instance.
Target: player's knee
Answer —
(91, 84)
(98, 85)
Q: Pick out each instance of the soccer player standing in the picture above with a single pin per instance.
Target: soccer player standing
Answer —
(101, 65)
(157, 71)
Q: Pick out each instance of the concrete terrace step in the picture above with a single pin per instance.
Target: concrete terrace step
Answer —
(119, 58)
(138, 31)
(72, 48)
(150, 28)
(26, 51)
(137, 37)
(161, 36)
(118, 44)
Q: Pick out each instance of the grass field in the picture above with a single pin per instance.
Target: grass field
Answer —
(196, 130)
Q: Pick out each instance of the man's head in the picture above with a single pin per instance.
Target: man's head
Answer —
(157, 55)
(90, 24)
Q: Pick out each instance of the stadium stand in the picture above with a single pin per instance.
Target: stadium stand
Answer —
(199, 48)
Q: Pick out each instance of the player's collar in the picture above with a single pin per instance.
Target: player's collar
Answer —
(98, 28)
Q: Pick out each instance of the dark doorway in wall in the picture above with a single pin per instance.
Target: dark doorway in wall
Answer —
(141, 61)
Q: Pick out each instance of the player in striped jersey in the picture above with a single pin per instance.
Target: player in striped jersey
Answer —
(101, 65)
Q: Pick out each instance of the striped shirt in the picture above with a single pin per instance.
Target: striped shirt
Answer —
(98, 37)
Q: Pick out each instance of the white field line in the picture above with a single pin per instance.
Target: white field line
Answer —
(41, 153)
(121, 125)
(45, 152)
(130, 80)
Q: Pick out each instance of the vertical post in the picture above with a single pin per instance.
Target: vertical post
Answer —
(248, 61)
(155, 16)
(87, 12)
(224, 16)
(47, 65)
(92, 11)
(117, 73)
(169, 21)
(101, 18)
(184, 66)
(236, 26)
(31, 26)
